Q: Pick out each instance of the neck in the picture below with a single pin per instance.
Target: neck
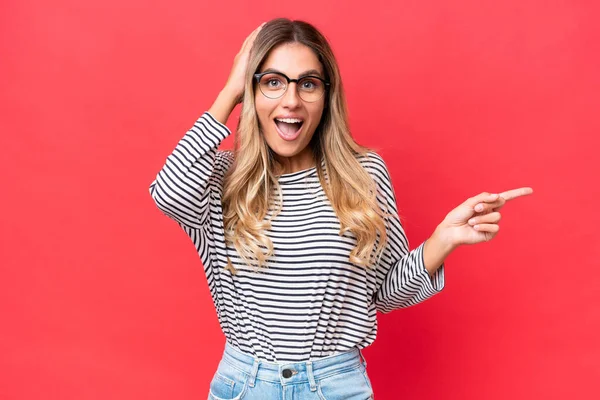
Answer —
(288, 165)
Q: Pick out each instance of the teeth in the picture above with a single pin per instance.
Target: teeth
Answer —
(289, 120)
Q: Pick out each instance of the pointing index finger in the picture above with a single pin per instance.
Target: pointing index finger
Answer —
(514, 193)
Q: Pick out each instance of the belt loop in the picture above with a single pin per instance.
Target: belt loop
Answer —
(254, 372)
(311, 376)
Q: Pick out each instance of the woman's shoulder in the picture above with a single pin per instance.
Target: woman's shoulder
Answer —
(374, 164)
(226, 156)
(224, 160)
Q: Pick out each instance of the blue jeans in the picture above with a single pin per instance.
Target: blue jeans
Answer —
(241, 376)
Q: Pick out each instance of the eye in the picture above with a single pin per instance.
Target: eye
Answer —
(309, 84)
(274, 83)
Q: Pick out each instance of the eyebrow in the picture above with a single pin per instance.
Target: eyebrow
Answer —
(312, 72)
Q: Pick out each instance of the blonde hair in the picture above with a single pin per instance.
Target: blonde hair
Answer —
(251, 186)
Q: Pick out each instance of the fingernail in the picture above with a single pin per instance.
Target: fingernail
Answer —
(494, 196)
(479, 207)
(471, 221)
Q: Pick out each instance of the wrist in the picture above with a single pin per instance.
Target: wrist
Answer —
(223, 106)
(231, 96)
(443, 240)
(436, 249)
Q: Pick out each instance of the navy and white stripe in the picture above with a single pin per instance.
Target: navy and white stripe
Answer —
(311, 301)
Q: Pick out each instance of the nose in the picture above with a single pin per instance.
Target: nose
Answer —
(290, 97)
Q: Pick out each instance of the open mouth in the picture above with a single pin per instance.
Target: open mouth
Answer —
(288, 128)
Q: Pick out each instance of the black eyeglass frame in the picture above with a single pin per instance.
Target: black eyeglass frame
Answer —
(258, 77)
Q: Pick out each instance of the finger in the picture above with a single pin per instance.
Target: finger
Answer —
(514, 193)
(492, 228)
(247, 41)
(489, 207)
(492, 218)
(257, 30)
(499, 204)
(251, 36)
(481, 198)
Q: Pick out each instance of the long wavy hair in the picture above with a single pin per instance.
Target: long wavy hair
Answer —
(251, 184)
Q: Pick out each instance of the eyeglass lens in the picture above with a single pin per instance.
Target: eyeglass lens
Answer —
(309, 89)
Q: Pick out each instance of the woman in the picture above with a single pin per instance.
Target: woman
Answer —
(298, 230)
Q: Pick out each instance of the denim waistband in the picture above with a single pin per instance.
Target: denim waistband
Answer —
(292, 372)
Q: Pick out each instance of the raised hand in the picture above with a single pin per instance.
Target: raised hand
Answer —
(237, 76)
(476, 220)
(233, 92)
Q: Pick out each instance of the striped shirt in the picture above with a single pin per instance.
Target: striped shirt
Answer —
(310, 301)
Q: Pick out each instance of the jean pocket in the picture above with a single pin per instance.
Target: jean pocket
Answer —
(225, 386)
(350, 385)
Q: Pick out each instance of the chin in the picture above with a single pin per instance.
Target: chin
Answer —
(286, 150)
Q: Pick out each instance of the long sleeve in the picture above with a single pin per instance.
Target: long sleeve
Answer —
(401, 277)
(182, 187)
(189, 187)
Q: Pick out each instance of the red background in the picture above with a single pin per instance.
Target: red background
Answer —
(103, 297)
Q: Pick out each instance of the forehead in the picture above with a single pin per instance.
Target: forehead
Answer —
(292, 59)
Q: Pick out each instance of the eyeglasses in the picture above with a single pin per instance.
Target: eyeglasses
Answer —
(274, 84)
